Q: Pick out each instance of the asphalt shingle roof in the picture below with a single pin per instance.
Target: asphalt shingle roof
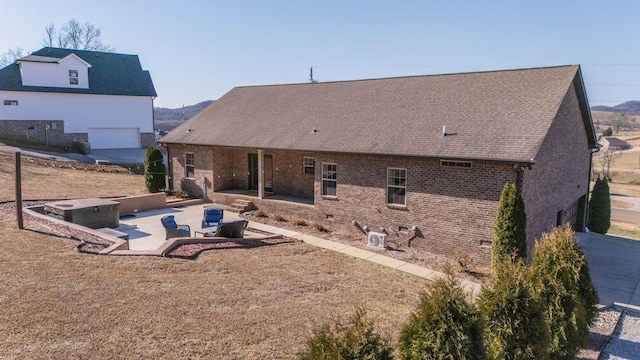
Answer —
(498, 115)
(109, 74)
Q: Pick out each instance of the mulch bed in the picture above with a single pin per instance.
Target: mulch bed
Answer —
(191, 251)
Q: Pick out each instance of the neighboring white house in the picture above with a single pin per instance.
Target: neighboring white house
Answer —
(67, 97)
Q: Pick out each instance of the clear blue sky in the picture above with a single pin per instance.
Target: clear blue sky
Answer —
(199, 50)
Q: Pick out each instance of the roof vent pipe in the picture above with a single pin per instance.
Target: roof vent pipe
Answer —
(444, 130)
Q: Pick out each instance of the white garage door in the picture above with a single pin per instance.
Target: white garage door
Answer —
(114, 138)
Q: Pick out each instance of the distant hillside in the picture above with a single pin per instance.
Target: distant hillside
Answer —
(629, 108)
(166, 119)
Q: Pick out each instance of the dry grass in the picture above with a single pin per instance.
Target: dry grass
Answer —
(627, 160)
(228, 304)
(625, 230)
(43, 179)
(616, 188)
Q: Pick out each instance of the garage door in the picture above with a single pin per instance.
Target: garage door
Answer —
(114, 138)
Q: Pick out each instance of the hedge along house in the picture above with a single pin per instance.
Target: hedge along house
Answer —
(430, 153)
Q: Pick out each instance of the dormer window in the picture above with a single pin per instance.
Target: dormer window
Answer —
(73, 77)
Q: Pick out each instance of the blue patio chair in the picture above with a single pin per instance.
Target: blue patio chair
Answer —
(212, 217)
(173, 229)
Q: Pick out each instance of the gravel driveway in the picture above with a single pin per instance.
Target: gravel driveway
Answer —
(625, 342)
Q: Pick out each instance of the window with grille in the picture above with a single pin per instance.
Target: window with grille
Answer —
(73, 77)
(189, 166)
(396, 186)
(308, 165)
(329, 179)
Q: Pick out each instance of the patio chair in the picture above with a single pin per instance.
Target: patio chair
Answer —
(174, 230)
(238, 228)
(233, 229)
(212, 217)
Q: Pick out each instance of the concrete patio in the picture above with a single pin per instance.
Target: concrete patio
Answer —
(146, 232)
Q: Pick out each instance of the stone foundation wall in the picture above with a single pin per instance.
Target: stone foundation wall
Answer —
(41, 133)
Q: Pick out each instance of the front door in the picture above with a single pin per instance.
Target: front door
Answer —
(268, 172)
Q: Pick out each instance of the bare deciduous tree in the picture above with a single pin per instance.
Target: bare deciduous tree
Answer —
(11, 56)
(604, 159)
(623, 121)
(74, 35)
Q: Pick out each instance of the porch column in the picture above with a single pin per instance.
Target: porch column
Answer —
(260, 174)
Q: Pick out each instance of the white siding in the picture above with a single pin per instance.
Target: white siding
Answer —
(79, 111)
(54, 74)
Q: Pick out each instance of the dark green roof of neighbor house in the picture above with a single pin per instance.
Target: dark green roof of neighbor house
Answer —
(492, 115)
(109, 73)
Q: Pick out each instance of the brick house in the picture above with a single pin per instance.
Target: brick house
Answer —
(77, 98)
(430, 153)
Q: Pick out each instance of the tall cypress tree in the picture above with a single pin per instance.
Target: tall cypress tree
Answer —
(154, 172)
(560, 276)
(510, 228)
(600, 207)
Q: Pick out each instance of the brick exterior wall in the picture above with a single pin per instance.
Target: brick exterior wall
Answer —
(203, 161)
(559, 179)
(453, 208)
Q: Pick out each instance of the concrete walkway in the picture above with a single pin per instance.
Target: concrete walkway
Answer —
(146, 233)
(614, 263)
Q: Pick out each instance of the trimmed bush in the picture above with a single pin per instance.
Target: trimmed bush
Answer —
(154, 171)
(600, 207)
(355, 339)
(510, 227)
(444, 326)
(514, 318)
(559, 274)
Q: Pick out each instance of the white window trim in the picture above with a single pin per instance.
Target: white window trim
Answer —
(397, 186)
(187, 165)
(327, 179)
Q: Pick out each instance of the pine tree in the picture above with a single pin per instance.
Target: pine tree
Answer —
(600, 207)
(510, 227)
(154, 171)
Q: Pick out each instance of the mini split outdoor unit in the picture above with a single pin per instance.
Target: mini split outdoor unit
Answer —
(377, 240)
